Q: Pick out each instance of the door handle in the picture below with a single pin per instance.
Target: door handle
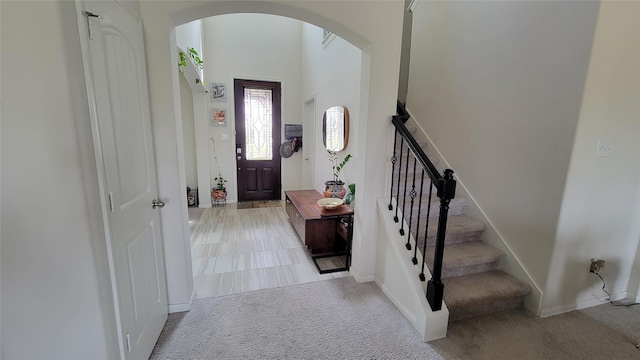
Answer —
(157, 203)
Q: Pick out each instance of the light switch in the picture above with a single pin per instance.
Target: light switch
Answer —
(224, 136)
(604, 148)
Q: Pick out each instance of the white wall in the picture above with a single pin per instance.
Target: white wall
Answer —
(189, 35)
(238, 47)
(332, 75)
(498, 88)
(600, 214)
(188, 133)
(56, 295)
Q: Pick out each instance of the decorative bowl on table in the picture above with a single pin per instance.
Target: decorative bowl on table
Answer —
(330, 203)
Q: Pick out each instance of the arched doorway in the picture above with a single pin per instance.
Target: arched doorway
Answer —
(296, 55)
(357, 23)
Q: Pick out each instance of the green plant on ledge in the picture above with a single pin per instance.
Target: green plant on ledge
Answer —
(193, 54)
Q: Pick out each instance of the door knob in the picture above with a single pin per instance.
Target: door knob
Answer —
(158, 203)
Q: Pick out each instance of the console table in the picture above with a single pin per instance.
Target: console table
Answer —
(325, 233)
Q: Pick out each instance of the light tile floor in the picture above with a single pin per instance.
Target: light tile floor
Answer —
(237, 250)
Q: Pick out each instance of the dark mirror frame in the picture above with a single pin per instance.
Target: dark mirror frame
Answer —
(340, 122)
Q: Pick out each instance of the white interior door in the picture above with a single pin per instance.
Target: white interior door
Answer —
(116, 79)
(309, 143)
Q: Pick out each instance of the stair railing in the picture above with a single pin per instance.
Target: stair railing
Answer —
(408, 153)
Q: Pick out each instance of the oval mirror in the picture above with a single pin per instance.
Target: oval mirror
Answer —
(335, 128)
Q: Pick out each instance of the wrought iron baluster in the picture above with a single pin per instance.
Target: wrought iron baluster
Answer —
(404, 198)
(412, 195)
(426, 233)
(395, 218)
(393, 160)
(415, 250)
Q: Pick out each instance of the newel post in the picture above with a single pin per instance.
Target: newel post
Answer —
(446, 192)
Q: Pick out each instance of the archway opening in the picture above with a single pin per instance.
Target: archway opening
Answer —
(350, 73)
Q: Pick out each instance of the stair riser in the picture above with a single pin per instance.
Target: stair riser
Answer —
(468, 270)
(456, 207)
(487, 307)
(451, 238)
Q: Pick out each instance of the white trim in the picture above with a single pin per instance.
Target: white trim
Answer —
(327, 38)
(176, 308)
(412, 5)
(583, 304)
(362, 279)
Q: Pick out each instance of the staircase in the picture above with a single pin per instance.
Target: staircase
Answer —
(473, 282)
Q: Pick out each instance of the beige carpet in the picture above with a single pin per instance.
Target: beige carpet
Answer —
(342, 319)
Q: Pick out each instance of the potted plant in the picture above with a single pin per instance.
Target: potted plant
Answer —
(195, 58)
(219, 193)
(335, 188)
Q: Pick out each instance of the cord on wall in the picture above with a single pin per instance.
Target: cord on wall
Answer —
(609, 295)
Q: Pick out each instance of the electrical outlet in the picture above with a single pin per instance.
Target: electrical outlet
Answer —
(596, 265)
(604, 149)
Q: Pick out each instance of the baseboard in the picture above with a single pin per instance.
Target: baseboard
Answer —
(583, 304)
(361, 279)
(204, 206)
(176, 308)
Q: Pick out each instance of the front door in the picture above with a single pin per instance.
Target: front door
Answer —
(257, 108)
(115, 71)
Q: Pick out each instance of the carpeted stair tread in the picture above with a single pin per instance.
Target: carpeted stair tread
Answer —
(467, 258)
(483, 293)
(460, 228)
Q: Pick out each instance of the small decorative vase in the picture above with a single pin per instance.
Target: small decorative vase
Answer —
(219, 194)
(334, 189)
(351, 196)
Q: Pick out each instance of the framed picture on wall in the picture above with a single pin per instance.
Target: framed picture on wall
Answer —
(218, 92)
(218, 117)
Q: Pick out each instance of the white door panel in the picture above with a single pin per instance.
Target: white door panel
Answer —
(309, 143)
(116, 76)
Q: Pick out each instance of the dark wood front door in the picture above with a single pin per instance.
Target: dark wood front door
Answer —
(257, 108)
